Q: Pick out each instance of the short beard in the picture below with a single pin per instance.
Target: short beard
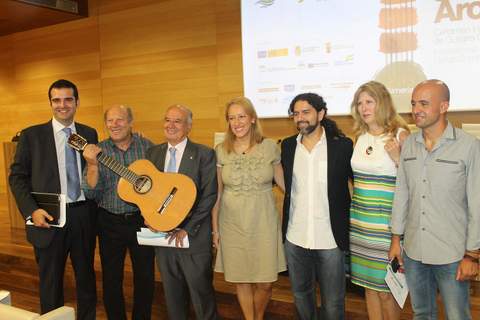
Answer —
(308, 129)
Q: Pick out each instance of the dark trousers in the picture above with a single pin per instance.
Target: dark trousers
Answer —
(116, 235)
(76, 238)
(185, 274)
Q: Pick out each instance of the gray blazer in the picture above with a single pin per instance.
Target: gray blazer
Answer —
(199, 163)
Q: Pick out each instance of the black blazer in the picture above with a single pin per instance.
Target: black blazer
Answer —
(35, 168)
(198, 162)
(340, 151)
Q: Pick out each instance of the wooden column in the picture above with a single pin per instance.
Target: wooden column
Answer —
(16, 219)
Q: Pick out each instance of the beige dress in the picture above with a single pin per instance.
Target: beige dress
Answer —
(251, 248)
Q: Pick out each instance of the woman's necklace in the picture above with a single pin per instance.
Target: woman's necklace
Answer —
(372, 144)
(369, 150)
(242, 149)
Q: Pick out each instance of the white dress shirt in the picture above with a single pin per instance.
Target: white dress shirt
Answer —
(180, 149)
(309, 224)
(60, 141)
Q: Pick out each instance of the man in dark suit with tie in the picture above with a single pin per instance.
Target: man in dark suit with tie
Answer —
(188, 270)
(45, 163)
(316, 165)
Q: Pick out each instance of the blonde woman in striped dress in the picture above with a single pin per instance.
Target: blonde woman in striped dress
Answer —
(379, 133)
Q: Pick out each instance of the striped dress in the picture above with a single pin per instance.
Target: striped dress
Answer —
(374, 184)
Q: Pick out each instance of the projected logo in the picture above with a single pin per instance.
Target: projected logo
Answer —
(268, 3)
(398, 42)
(265, 3)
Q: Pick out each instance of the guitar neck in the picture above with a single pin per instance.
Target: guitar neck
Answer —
(117, 167)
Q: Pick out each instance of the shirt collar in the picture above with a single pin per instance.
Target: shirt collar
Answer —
(57, 126)
(448, 134)
(180, 146)
(323, 138)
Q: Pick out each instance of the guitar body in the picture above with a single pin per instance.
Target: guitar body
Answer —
(161, 187)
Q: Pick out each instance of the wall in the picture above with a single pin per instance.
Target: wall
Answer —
(145, 53)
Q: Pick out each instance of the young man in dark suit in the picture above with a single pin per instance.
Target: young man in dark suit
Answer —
(188, 271)
(316, 165)
(45, 163)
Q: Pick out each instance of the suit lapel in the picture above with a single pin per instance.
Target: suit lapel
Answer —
(79, 128)
(186, 164)
(48, 142)
(291, 153)
(331, 156)
(161, 156)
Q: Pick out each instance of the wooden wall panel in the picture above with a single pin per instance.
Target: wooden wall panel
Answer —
(229, 56)
(105, 7)
(7, 99)
(41, 56)
(160, 54)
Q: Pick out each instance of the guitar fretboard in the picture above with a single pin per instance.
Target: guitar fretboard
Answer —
(118, 168)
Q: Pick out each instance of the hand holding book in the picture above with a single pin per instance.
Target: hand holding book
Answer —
(41, 218)
(51, 210)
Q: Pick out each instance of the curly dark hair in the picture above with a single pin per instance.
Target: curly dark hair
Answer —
(317, 102)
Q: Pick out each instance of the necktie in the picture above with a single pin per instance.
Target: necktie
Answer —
(73, 181)
(172, 164)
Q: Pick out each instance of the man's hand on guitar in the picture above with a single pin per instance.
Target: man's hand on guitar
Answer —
(90, 154)
(40, 218)
(178, 235)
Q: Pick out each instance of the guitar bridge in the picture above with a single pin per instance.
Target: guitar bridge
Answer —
(167, 200)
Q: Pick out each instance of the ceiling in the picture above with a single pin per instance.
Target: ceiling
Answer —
(17, 16)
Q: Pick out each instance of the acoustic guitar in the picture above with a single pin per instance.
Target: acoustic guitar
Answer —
(164, 199)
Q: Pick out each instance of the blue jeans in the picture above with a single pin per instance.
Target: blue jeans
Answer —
(327, 267)
(423, 280)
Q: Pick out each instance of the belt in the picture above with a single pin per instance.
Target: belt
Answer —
(76, 204)
(123, 216)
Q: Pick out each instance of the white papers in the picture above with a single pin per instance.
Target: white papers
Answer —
(147, 237)
(397, 283)
(63, 213)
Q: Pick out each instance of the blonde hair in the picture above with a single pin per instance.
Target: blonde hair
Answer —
(256, 135)
(385, 114)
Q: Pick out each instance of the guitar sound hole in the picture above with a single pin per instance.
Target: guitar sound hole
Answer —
(143, 184)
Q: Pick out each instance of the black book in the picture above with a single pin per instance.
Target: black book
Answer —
(49, 202)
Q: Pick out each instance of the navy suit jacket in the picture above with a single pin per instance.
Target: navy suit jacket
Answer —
(199, 163)
(35, 168)
(339, 170)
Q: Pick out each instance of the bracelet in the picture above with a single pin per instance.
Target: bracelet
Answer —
(214, 232)
(473, 259)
